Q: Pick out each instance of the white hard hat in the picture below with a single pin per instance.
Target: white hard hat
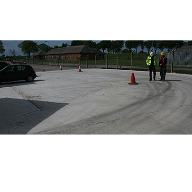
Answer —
(151, 54)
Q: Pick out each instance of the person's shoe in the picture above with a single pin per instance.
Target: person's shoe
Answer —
(150, 79)
(154, 78)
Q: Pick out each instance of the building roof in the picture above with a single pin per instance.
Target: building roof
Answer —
(74, 50)
(39, 53)
(184, 49)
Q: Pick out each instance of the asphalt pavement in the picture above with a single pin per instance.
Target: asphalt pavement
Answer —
(96, 101)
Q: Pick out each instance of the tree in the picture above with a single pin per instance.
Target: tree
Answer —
(116, 46)
(28, 47)
(173, 44)
(89, 43)
(142, 45)
(2, 50)
(133, 44)
(125, 51)
(77, 42)
(129, 45)
(160, 45)
(103, 45)
(56, 46)
(119, 46)
(148, 45)
(136, 44)
(64, 45)
(109, 45)
(12, 51)
(155, 45)
(44, 47)
(189, 43)
(179, 44)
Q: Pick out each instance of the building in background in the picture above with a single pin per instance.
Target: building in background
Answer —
(39, 55)
(72, 53)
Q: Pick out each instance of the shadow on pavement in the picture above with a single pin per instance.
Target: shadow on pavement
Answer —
(19, 116)
(173, 80)
(17, 83)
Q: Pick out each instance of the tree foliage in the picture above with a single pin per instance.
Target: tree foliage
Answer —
(133, 44)
(64, 45)
(148, 45)
(89, 43)
(2, 50)
(129, 45)
(117, 46)
(189, 43)
(44, 47)
(28, 47)
(103, 45)
(12, 51)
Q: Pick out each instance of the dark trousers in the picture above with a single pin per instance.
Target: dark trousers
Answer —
(152, 69)
(163, 72)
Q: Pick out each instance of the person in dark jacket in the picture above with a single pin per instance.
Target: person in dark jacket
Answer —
(162, 65)
(151, 62)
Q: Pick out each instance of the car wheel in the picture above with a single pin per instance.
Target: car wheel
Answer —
(30, 78)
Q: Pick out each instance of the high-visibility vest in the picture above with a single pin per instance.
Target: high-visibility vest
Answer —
(163, 61)
(148, 61)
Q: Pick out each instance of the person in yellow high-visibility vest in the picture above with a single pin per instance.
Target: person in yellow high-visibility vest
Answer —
(152, 62)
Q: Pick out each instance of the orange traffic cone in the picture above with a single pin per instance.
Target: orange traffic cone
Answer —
(43, 68)
(80, 68)
(60, 67)
(133, 80)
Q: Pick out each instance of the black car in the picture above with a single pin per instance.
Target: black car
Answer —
(3, 64)
(17, 72)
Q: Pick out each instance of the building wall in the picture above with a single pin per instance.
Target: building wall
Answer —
(39, 57)
(73, 57)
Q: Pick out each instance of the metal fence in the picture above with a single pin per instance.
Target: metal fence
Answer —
(183, 59)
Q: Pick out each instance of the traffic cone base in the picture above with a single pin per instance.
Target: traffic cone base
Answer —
(133, 82)
(80, 68)
(43, 68)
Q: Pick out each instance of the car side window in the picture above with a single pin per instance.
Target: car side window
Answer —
(10, 69)
(20, 68)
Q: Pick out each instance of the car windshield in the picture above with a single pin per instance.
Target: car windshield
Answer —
(3, 68)
(8, 68)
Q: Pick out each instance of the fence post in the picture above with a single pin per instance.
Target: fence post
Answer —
(117, 61)
(87, 61)
(131, 59)
(106, 61)
(95, 60)
(172, 61)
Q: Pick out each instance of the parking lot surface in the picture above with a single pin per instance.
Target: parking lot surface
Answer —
(96, 101)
